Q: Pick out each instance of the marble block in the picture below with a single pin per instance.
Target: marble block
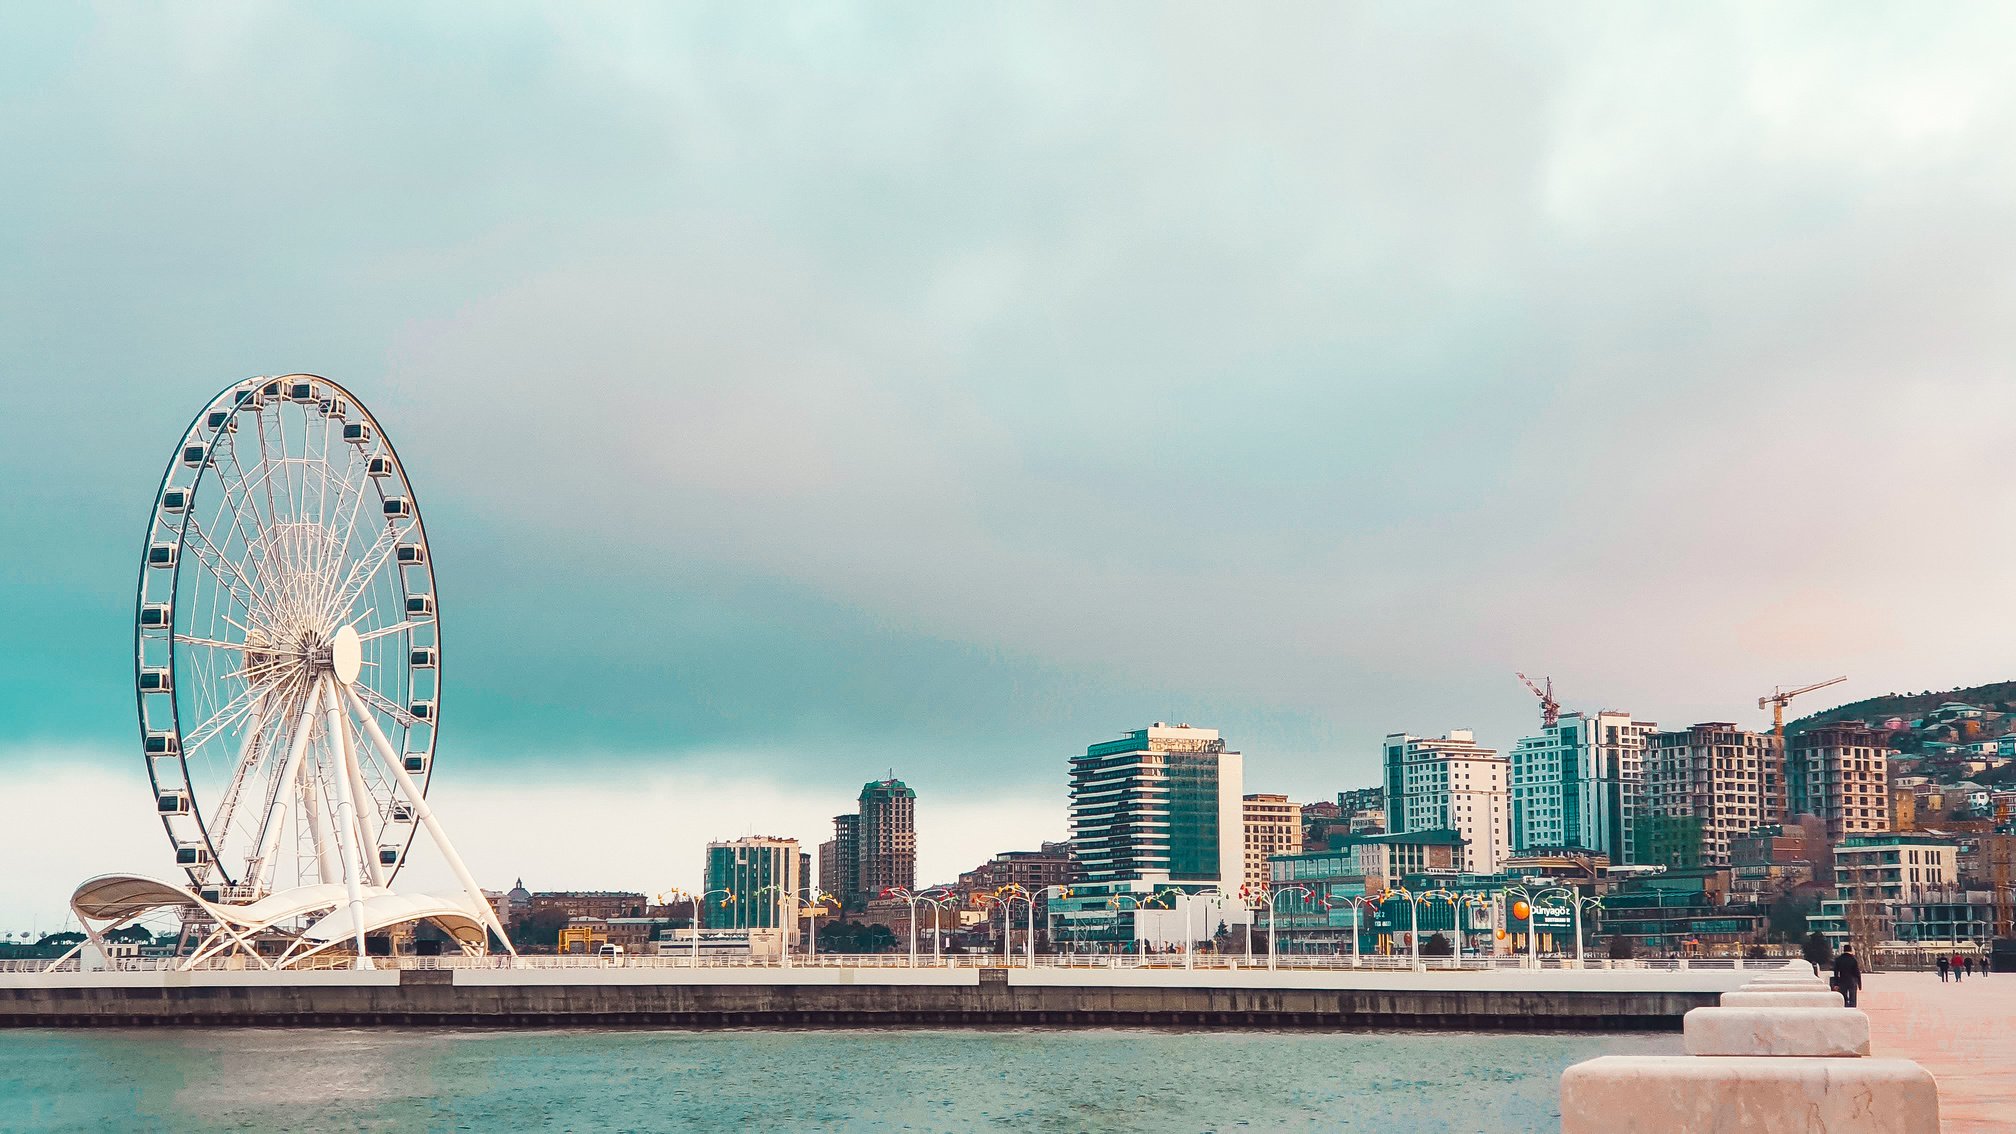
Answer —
(1740, 1030)
(1771, 998)
(1654, 1094)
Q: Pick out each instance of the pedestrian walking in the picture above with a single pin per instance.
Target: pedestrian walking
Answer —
(1970, 966)
(1847, 975)
(1956, 966)
(1945, 967)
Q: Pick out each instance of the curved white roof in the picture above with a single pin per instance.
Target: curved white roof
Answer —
(286, 904)
(113, 897)
(456, 919)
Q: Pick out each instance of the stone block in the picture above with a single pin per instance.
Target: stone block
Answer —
(1765, 998)
(1739, 1030)
(1651, 1094)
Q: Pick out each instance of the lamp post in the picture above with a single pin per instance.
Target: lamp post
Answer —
(988, 901)
(1189, 907)
(1455, 919)
(1043, 893)
(816, 898)
(1274, 895)
(937, 905)
(697, 904)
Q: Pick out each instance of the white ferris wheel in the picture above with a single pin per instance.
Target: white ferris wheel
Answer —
(287, 660)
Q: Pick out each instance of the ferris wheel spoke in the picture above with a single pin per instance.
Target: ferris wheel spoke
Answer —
(224, 718)
(188, 639)
(365, 569)
(217, 564)
(395, 628)
(378, 701)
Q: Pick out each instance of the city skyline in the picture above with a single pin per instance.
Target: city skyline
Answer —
(760, 454)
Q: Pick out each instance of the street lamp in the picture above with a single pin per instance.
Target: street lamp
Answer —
(1455, 918)
(988, 901)
(815, 897)
(1413, 922)
(912, 898)
(698, 902)
(1274, 895)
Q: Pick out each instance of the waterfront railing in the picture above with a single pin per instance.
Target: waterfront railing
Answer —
(1153, 961)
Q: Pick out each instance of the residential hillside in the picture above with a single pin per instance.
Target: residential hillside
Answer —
(1933, 717)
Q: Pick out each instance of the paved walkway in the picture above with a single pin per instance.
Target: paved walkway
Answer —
(1960, 1033)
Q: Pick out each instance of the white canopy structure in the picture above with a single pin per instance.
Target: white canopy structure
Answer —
(107, 903)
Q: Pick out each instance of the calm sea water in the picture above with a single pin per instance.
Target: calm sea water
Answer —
(922, 1080)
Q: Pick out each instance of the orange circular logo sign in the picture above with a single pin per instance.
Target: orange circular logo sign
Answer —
(1521, 910)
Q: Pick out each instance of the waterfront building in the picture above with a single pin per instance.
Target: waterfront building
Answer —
(1988, 862)
(1577, 783)
(1273, 826)
(888, 837)
(1051, 864)
(1892, 866)
(756, 872)
(588, 903)
(1450, 783)
(1376, 861)
(1158, 813)
(1682, 911)
(1704, 786)
(1932, 924)
(1840, 772)
(1162, 804)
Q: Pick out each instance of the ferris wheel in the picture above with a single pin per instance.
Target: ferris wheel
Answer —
(287, 655)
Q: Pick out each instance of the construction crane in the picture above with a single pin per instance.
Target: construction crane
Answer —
(1781, 697)
(1550, 709)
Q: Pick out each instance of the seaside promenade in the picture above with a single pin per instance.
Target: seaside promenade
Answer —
(1960, 1033)
(527, 992)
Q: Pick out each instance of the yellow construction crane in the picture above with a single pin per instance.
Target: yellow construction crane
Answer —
(1781, 697)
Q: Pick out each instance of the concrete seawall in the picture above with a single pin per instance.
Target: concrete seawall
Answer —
(505, 998)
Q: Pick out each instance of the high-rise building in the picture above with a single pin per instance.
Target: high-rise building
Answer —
(1273, 826)
(888, 837)
(1703, 787)
(1450, 783)
(846, 861)
(1841, 772)
(1576, 784)
(758, 874)
(1160, 805)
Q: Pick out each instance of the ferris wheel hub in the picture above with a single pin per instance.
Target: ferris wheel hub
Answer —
(346, 654)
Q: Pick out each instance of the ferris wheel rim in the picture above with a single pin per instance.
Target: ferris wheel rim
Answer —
(234, 399)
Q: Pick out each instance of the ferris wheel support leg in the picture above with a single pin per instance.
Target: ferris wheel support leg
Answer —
(366, 841)
(318, 821)
(346, 834)
(418, 799)
(283, 792)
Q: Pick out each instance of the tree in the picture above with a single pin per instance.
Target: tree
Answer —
(1437, 946)
(1786, 917)
(539, 929)
(1620, 948)
(64, 939)
(1817, 950)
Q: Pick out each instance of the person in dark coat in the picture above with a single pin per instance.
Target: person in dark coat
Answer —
(1945, 967)
(1847, 975)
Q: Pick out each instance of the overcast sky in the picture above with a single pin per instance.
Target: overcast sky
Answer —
(801, 394)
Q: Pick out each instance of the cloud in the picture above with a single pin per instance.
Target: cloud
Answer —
(859, 387)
